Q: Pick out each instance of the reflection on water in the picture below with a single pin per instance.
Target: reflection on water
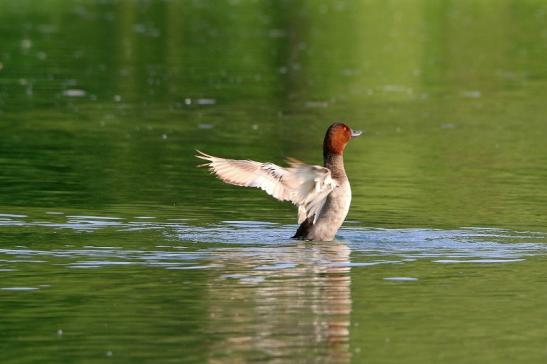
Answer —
(244, 291)
(113, 246)
(288, 302)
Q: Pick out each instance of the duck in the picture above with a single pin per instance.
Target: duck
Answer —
(321, 193)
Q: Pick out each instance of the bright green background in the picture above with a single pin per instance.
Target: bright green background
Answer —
(452, 96)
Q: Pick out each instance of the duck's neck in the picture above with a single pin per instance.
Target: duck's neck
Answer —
(335, 162)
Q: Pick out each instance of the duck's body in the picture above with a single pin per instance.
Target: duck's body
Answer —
(322, 194)
(330, 218)
(335, 209)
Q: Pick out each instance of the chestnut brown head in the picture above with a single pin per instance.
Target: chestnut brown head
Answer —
(337, 137)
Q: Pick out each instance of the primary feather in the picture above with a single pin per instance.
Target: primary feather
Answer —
(304, 185)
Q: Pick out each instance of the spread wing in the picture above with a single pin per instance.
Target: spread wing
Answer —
(304, 185)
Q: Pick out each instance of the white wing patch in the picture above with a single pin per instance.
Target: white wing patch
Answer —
(304, 185)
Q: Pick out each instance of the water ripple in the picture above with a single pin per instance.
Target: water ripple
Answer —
(268, 246)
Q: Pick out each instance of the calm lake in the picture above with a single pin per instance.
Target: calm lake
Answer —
(115, 248)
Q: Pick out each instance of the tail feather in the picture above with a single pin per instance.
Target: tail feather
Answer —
(303, 229)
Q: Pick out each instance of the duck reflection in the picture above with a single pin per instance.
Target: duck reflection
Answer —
(279, 302)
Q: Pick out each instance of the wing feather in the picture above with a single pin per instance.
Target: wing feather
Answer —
(304, 185)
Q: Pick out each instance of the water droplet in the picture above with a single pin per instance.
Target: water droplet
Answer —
(276, 33)
(205, 101)
(400, 279)
(472, 94)
(448, 126)
(26, 44)
(74, 93)
(317, 104)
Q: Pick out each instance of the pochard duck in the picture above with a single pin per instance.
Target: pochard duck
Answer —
(322, 194)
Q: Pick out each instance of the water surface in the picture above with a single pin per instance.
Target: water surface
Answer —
(115, 247)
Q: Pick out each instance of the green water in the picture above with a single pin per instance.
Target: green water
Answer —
(114, 247)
